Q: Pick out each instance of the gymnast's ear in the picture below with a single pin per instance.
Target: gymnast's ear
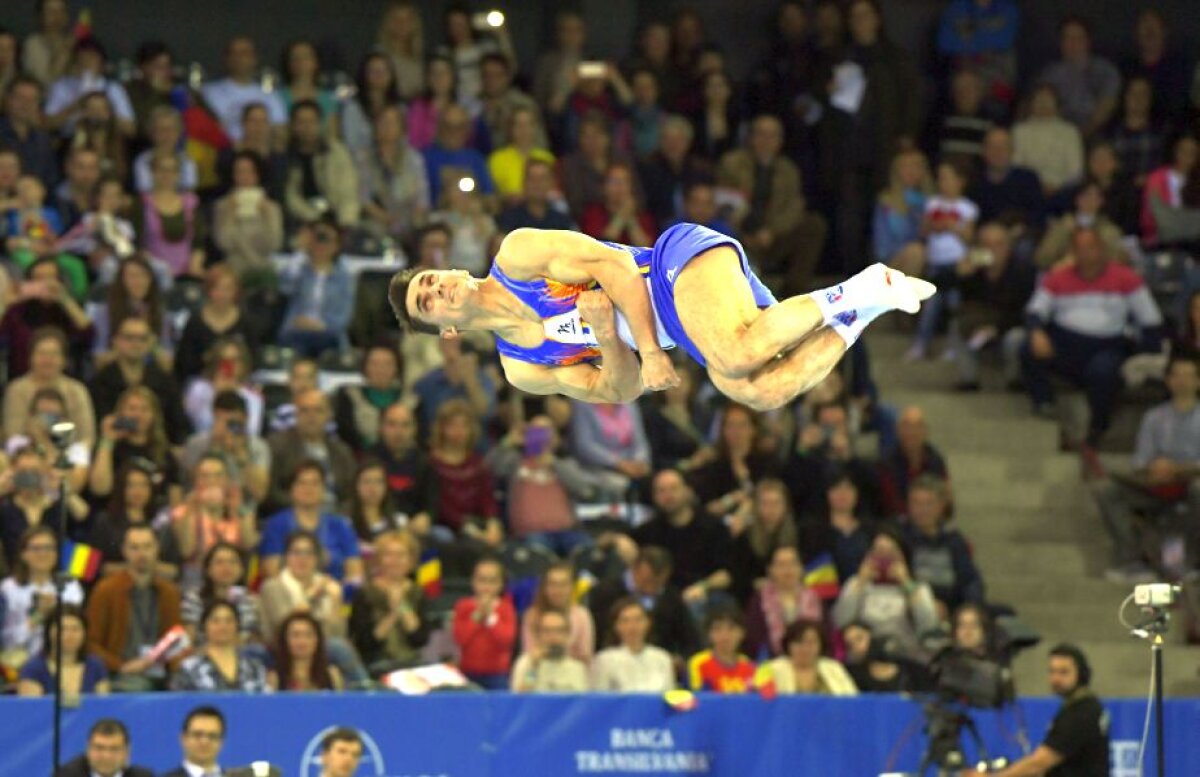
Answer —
(449, 333)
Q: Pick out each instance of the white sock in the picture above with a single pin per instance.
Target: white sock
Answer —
(850, 294)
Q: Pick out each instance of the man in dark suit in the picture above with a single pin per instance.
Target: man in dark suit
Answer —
(203, 733)
(647, 579)
(107, 754)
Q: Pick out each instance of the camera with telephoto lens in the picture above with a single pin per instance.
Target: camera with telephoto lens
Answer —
(963, 677)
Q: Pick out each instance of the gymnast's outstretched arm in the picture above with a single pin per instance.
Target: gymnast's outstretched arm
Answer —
(618, 381)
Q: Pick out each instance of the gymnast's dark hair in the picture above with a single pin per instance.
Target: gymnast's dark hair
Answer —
(398, 297)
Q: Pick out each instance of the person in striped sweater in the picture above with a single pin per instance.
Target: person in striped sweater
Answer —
(1077, 321)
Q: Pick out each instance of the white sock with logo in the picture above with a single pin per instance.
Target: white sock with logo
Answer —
(854, 303)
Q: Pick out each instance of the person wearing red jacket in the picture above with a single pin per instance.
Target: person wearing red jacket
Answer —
(485, 627)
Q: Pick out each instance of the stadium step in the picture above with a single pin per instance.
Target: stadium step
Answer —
(1034, 528)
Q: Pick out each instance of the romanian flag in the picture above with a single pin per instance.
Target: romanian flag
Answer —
(821, 576)
(81, 561)
(429, 573)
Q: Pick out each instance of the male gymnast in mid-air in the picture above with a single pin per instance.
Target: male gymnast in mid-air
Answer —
(549, 302)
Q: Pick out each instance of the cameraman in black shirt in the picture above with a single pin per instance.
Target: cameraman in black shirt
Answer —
(1077, 745)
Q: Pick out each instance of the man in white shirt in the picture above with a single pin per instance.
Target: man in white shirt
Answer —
(229, 96)
(203, 733)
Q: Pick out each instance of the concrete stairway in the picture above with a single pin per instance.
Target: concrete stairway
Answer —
(1036, 534)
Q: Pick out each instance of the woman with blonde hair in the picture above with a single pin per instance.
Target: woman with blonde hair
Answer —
(896, 225)
(401, 38)
(388, 622)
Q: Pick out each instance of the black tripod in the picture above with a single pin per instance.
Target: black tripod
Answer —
(944, 727)
(1154, 631)
(61, 435)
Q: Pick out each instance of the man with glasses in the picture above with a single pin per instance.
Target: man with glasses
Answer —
(133, 343)
(107, 754)
(201, 740)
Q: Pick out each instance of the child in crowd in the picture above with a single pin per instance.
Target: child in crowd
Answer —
(485, 627)
(721, 668)
(949, 227)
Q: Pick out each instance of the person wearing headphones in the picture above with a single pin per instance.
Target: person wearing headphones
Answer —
(1077, 743)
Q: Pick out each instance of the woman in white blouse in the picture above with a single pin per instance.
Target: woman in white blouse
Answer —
(632, 666)
(802, 668)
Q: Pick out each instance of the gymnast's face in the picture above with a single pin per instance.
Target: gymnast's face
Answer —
(441, 297)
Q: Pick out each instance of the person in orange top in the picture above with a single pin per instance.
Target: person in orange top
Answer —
(721, 668)
(130, 611)
(485, 627)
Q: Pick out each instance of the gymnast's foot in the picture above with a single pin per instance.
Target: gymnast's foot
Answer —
(873, 292)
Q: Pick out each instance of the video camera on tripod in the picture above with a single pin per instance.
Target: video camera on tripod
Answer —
(957, 680)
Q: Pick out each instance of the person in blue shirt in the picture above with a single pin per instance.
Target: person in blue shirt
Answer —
(320, 292)
(343, 561)
(451, 156)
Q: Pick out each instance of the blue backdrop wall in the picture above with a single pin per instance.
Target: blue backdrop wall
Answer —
(499, 735)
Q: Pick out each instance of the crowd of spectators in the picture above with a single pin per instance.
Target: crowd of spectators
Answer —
(268, 466)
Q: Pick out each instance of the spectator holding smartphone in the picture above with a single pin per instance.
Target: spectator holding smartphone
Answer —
(43, 301)
(135, 430)
(213, 511)
(227, 367)
(246, 455)
(884, 595)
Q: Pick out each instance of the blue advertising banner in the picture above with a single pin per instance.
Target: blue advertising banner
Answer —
(501, 735)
